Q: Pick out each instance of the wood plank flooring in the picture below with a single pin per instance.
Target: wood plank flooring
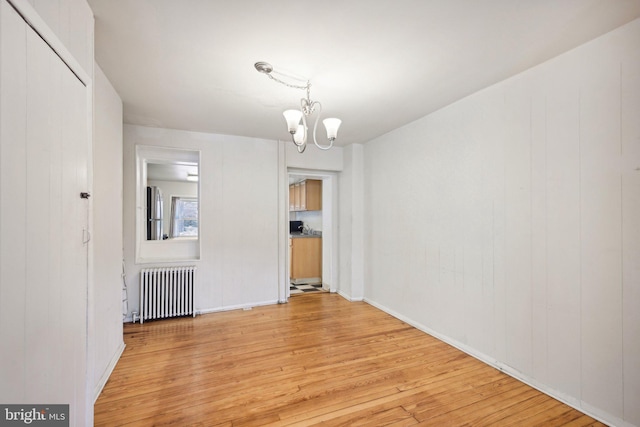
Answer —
(317, 360)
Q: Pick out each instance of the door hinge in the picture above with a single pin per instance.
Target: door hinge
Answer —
(85, 195)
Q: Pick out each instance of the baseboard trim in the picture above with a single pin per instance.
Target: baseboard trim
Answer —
(247, 306)
(306, 280)
(107, 372)
(348, 297)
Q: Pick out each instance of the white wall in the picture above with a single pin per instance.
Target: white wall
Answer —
(239, 228)
(352, 224)
(243, 211)
(313, 219)
(106, 340)
(314, 158)
(509, 224)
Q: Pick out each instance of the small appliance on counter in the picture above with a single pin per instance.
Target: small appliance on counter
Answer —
(295, 227)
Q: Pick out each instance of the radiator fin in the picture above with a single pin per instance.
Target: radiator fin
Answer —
(166, 292)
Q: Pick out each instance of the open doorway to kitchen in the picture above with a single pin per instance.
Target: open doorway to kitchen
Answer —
(311, 232)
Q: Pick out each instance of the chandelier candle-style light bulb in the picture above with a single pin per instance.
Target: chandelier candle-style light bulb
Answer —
(332, 126)
(298, 137)
(299, 131)
(293, 119)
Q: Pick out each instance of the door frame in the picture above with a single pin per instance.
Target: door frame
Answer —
(329, 229)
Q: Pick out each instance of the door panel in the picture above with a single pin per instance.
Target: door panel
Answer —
(41, 97)
(13, 196)
(44, 147)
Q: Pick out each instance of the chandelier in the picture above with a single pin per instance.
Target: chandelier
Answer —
(298, 129)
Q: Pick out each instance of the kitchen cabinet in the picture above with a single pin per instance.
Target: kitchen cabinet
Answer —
(305, 255)
(302, 196)
(292, 198)
(296, 197)
(306, 195)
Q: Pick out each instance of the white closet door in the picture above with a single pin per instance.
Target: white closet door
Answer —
(42, 128)
(43, 223)
(13, 189)
(73, 245)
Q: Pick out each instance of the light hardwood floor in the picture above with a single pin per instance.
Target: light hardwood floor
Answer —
(317, 360)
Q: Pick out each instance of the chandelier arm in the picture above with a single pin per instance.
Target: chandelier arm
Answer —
(296, 143)
(304, 128)
(303, 142)
(325, 147)
(302, 145)
(315, 127)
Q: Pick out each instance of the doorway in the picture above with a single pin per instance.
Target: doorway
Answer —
(318, 226)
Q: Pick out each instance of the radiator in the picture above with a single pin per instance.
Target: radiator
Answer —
(166, 292)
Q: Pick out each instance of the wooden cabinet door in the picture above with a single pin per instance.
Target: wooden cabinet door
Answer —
(313, 195)
(306, 257)
(292, 198)
(290, 256)
(303, 196)
(296, 197)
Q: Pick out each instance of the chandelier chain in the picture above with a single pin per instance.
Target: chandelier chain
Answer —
(307, 86)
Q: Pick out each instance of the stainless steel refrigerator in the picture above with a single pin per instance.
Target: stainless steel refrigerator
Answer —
(154, 213)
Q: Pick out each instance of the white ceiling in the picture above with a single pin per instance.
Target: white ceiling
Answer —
(376, 64)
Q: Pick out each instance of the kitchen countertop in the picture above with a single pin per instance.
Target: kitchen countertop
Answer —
(299, 235)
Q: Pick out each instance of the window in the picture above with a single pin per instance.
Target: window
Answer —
(184, 217)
